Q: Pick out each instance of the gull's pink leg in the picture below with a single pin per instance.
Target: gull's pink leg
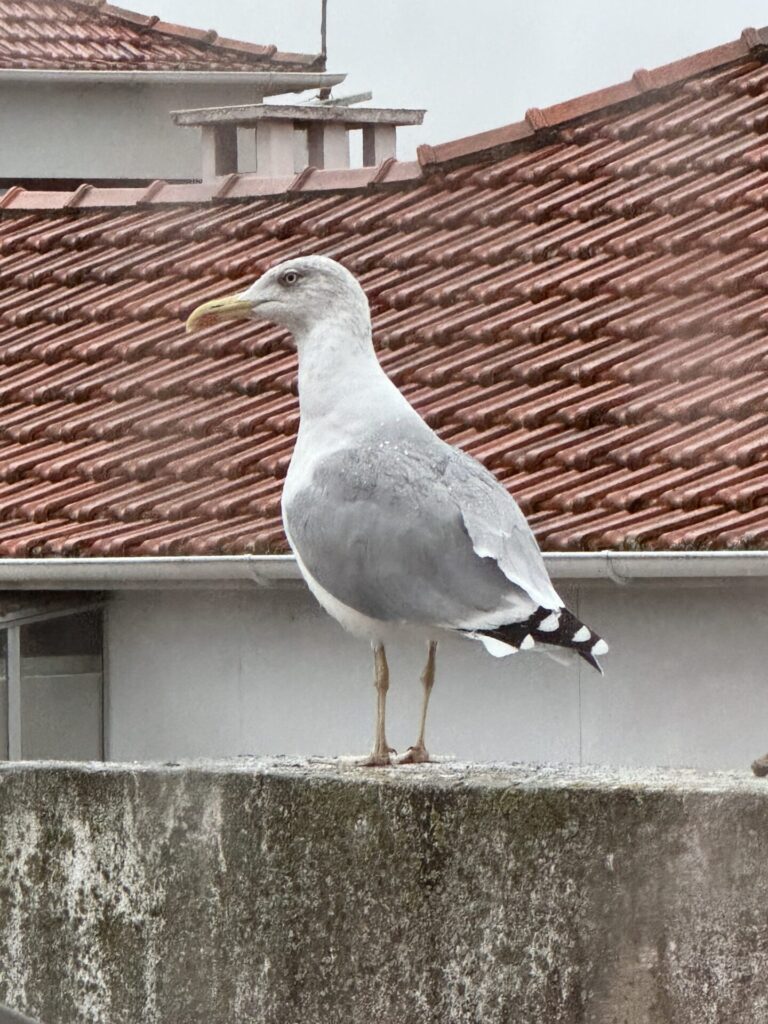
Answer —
(418, 754)
(381, 749)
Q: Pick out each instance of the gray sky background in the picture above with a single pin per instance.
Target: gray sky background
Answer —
(479, 64)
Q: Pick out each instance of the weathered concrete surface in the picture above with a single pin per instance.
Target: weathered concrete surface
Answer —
(287, 893)
(13, 1017)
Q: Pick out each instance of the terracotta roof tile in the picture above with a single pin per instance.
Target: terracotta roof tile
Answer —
(580, 300)
(89, 35)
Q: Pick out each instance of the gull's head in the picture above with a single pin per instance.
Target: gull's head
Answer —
(297, 294)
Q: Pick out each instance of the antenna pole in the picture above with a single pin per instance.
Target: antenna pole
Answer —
(324, 94)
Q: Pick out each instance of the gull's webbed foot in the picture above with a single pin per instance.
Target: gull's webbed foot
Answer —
(415, 755)
(378, 759)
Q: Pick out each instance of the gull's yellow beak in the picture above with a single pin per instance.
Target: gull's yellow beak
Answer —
(231, 308)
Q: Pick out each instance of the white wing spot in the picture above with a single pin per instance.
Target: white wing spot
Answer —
(601, 647)
(528, 643)
(496, 648)
(550, 624)
(581, 635)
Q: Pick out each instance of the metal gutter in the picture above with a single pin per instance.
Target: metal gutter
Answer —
(268, 83)
(247, 571)
(228, 572)
(631, 566)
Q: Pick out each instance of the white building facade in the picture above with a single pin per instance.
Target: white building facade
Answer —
(116, 125)
(219, 657)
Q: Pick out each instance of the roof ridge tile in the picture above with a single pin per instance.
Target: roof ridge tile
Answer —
(74, 198)
(642, 82)
(383, 169)
(152, 190)
(643, 79)
(301, 179)
(208, 37)
(537, 119)
(227, 182)
(207, 42)
(11, 195)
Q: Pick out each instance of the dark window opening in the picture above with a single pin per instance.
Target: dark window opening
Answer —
(52, 687)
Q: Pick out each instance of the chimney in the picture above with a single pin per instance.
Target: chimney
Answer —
(276, 141)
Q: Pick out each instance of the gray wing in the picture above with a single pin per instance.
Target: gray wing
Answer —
(498, 528)
(405, 532)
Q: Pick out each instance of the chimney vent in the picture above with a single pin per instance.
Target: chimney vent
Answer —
(263, 137)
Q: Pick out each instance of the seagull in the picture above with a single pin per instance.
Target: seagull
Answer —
(394, 530)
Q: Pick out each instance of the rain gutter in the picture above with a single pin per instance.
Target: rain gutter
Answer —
(632, 566)
(267, 83)
(243, 572)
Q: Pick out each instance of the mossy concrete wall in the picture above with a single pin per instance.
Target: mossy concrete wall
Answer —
(295, 893)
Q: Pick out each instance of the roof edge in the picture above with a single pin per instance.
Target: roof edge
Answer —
(231, 187)
(202, 37)
(537, 122)
(643, 81)
(272, 80)
(248, 571)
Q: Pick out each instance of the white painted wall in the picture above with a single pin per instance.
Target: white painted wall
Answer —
(205, 673)
(104, 130)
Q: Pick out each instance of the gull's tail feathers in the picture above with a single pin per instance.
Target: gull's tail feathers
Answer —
(555, 628)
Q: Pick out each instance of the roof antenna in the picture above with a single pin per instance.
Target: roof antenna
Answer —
(324, 94)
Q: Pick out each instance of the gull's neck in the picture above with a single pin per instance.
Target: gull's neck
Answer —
(340, 379)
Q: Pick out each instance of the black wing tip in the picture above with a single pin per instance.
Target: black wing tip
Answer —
(591, 660)
(561, 628)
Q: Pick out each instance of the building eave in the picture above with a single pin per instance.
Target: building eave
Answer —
(243, 572)
(269, 83)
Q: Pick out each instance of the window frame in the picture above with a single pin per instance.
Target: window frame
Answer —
(12, 625)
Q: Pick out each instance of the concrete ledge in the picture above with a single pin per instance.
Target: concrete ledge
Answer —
(293, 893)
(12, 1017)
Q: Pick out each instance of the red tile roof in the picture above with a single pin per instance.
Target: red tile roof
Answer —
(91, 35)
(580, 300)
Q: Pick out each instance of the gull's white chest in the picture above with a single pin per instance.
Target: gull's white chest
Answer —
(311, 449)
(308, 452)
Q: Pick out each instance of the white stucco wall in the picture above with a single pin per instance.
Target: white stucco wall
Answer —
(206, 673)
(101, 130)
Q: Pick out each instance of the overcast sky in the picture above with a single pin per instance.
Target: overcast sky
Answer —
(475, 64)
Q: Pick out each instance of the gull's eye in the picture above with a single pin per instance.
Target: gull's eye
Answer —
(289, 277)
